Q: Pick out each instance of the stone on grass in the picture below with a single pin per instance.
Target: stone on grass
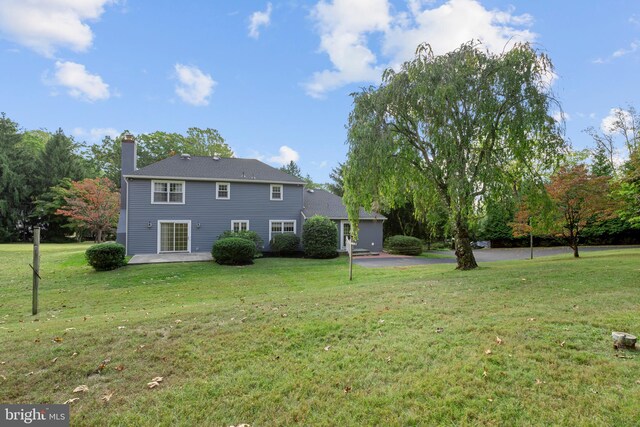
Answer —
(623, 340)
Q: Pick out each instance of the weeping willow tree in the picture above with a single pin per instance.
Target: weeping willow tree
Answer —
(445, 129)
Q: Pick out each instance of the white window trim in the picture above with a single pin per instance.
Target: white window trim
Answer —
(174, 221)
(281, 192)
(240, 221)
(218, 190)
(168, 182)
(342, 246)
(295, 225)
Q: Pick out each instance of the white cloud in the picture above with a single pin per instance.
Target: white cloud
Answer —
(559, 116)
(95, 134)
(259, 19)
(348, 28)
(46, 25)
(287, 154)
(194, 87)
(607, 125)
(320, 165)
(79, 82)
(634, 46)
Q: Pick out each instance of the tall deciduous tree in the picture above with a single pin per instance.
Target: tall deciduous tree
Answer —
(442, 129)
(93, 205)
(155, 146)
(576, 199)
(630, 190)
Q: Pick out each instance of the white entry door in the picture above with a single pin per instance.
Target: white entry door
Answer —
(345, 231)
(174, 236)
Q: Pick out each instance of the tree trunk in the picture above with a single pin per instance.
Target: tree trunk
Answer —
(99, 236)
(464, 253)
(575, 251)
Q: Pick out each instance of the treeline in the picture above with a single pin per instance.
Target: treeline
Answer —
(591, 196)
(38, 169)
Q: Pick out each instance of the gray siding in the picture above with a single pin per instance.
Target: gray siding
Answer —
(369, 234)
(249, 201)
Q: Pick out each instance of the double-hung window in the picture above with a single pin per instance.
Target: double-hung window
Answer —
(168, 192)
(276, 191)
(280, 227)
(223, 190)
(239, 225)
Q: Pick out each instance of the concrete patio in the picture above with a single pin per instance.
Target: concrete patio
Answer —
(160, 258)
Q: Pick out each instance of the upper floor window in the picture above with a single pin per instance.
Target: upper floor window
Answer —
(276, 191)
(223, 190)
(167, 192)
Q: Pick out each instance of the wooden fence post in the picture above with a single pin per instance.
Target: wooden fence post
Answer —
(36, 269)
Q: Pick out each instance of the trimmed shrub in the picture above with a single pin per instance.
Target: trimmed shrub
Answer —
(248, 234)
(105, 256)
(403, 245)
(285, 244)
(233, 251)
(320, 237)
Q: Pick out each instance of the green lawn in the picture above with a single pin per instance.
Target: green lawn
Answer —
(291, 341)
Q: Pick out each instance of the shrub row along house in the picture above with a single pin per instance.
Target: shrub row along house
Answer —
(183, 203)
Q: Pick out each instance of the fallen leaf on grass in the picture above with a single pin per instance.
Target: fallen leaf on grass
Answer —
(488, 351)
(119, 368)
(562, 344)
(490, 400)
(37, 340)
(347, 389)
(3, 377)
(157, 379)
(284, 314)
(29, 374)
(54, 360)
(121, 327)
(637, 381)
(538, 381)
(389, 359)
(153, 384)
(69, 329)
(2, 363)
(531, 319)
(327, 348)
(70, 401)
(485, 373)
(58, 339)
(106, 397)
(499, 340)
(439, 330)
(81, 389)
(381, 321)
(178, 321)
(74, 354)
(242, 425)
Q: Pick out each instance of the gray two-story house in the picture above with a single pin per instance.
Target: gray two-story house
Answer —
(183, 203)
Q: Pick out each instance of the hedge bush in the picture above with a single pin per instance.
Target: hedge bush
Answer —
(320, 237)
(285, 244)
(403, 245)
(248, 234)
(233, 251)
(105, 256)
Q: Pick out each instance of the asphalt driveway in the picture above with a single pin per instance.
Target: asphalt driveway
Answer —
(482, 255)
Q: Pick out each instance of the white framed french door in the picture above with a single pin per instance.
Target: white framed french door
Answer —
(345, 231)
(174, 236)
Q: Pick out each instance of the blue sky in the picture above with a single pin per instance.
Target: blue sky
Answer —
(274, 77)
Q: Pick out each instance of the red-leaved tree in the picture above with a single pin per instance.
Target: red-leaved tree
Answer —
(576, 198)
(94, 205)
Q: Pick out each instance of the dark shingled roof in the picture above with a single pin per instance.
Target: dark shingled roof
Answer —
(321, 202)
(206, 168)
